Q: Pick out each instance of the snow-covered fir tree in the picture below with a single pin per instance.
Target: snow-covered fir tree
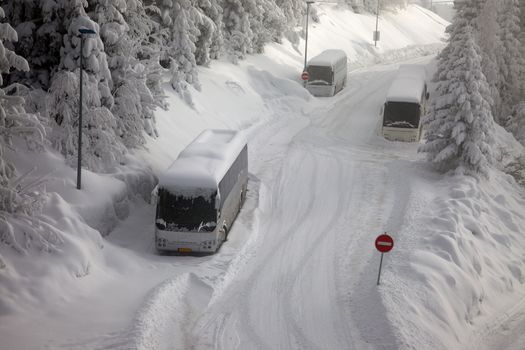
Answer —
(146, 31)
(210, 43)
(133, 101)
(488, 38)
(293, 11)
(512, 64)
(273, 24)
(517, 122)
(40, 28)
(181, 18)
(8, 59)
(17, 203)
(238, 30)
(459, 123)
(101, 147)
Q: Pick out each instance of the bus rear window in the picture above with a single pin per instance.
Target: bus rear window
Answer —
(402, 115)
(320, 75)
(183, 213)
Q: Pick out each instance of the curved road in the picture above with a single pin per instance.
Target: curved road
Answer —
(311, 283)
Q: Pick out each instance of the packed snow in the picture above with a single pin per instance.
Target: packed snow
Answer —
(203, 163)
(299, 269)
(408, 85)
(327, 58)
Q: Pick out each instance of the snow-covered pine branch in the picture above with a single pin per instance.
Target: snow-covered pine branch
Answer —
(459, 123)
(102, 149)
(17, 204)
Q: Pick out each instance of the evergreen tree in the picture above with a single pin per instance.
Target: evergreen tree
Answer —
(238, 31)
(511, 66)
(184, 34)
(517, 123)
(147, 32)
(488, 38)
(39, 25)
(273, 24)
(16, 203)
(210, 42)
(134, 102)
(459, 122)
(101, 148)
(293, 11)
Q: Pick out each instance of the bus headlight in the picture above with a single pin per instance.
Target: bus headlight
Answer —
(161, 242)
(207, 244)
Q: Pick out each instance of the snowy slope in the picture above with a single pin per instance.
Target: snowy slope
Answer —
(299, 270)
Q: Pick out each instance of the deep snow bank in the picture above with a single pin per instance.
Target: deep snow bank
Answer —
(459, 263)
(74, 260)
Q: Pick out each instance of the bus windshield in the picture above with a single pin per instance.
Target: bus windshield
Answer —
(320, 75)
(402, 115)
(186, 213)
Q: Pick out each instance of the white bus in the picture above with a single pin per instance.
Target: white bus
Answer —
(327, 73)
(405, 105)
(201, 193)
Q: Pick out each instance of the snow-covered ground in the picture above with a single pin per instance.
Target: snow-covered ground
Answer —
(299, 270)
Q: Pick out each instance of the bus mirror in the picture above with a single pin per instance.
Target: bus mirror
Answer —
(161, 224)
(154, 195)
(217, 201)
(427, 96)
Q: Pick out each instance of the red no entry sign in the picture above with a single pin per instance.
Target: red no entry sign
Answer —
(384, 243)
(305, 75)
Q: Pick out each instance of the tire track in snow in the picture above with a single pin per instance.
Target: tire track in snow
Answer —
(300, 335)
(237, 320)
(296, 338)
(242, 297)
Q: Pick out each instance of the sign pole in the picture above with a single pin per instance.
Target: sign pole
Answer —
(308, 3)
(376, 33)
(384, 243)
(380, 265)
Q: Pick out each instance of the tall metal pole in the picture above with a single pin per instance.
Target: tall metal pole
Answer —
(82, 31)
(79, 160)
(380, 265)
(377, 22)
(308, 3)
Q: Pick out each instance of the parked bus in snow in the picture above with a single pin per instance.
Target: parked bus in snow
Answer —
(405, 104)
(327, 73)
(201, 193)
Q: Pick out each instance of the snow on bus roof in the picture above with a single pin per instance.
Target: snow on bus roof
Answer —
(327, 58)
(412, 70)
(408, 85)
(203, 163)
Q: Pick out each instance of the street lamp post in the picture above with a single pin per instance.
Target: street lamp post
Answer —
(82, 31)
(376, 33)
(308, 3)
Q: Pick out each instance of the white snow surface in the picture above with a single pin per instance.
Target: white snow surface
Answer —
(327, 58)
(408, 85)
(203, 163)
(299, 269)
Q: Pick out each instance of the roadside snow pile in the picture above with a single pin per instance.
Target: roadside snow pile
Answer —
(459, 263)
(74, 258)
(169, 307)
(63, 243)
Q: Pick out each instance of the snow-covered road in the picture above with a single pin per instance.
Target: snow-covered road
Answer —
(299, 269)
(312, 281)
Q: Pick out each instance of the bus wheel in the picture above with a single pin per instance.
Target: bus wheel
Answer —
(224, 229)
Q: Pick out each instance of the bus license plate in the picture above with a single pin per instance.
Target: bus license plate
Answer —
(184, 250)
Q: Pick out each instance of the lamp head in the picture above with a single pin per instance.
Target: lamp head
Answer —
(86, 31)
